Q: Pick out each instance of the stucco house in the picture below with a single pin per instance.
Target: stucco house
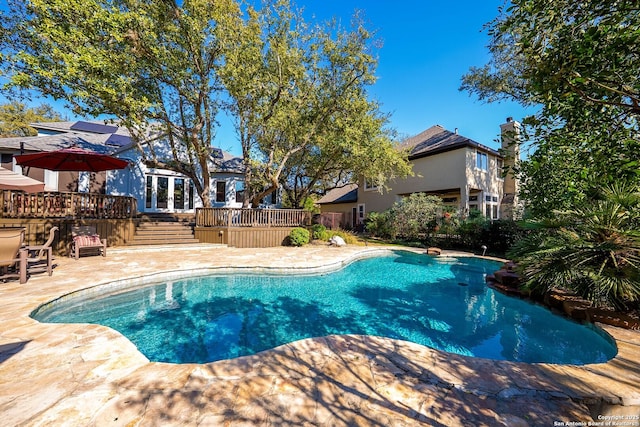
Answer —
(338, 207)
(156, 190)
(467, 175)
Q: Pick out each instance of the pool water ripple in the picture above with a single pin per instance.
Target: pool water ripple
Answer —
(438, 302)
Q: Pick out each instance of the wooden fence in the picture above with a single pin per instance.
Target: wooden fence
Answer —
(230, 217)
(333, 220)
(17, 204)
(248, 228)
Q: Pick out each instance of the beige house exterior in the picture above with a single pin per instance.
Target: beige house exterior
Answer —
(464, 173)
(338, 207)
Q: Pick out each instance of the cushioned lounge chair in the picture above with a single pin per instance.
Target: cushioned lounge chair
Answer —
(13, 257)
(85, 239)
(40, 258)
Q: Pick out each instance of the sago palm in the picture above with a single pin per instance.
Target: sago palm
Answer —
(593, 250)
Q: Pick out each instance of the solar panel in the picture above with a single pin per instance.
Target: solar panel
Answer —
(216, 153)
(118, 140)
(93, 127)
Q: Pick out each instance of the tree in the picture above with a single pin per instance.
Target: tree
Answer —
(298, 95)
(297, 92)
(15, 118)
(140, 62)
(578, 61)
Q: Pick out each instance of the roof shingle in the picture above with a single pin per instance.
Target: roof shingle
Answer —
(346, 194)
(437, 139)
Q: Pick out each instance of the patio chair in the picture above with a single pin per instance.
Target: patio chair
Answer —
(86, 239)
(13, 257)
(40, 258)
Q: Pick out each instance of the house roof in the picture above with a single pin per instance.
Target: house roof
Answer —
(346, 194)
(436, 140)
(98, 136)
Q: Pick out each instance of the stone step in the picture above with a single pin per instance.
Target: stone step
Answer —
(164, 233)
(164, 217)
(164, 227)
(160, 241)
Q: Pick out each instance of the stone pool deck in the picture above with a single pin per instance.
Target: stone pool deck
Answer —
(88, 375)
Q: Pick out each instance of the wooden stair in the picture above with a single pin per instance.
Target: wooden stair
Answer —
(164, 229)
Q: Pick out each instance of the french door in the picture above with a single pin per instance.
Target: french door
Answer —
(168, 194)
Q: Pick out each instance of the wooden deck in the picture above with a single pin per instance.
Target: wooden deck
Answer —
(116, 219)
(248, 228)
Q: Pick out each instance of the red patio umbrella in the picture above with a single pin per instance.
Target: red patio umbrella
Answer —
(71, 159)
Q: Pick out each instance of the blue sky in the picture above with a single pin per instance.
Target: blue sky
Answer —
(427, 47)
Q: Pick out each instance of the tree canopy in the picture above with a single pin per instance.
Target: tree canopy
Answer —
(298, 95)
(139, 62)
(297, 91)
(580, 62)
(15, 118)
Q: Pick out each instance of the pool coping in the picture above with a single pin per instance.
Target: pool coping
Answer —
(605, 388)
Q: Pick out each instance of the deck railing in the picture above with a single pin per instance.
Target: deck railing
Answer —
(17, 204)
(231, 217)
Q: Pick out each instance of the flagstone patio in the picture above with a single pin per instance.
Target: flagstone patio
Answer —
(73, 375)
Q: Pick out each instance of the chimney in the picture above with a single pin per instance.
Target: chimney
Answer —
(456, 131)
(510, 149)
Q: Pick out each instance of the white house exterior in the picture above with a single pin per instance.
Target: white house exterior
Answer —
(156, 190)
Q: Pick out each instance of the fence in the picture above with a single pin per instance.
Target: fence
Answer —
(17, 204)
(334, 220)
(248, 228)
(230, 217)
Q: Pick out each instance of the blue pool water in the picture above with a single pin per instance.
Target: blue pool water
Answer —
(440, 303)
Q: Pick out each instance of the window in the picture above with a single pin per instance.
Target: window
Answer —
(491, 206)
(369, 186)
(499, 166)
(149, 194)
(192, 191)
(473, 198)
(178, 193)
(473, 207)
(481, 160)
(239, 192)
(271, 199)
(163, 193)
(360, 214)
(449, 199)
(221, 191)
(6, 158)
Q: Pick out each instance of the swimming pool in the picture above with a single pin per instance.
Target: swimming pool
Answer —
(439, 302)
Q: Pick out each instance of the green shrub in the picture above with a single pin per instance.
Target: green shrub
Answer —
(299, 236)
(415, 216)
(324, 236)
(378, 224)
(593, 250)
(317, 231)
(499, 236)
